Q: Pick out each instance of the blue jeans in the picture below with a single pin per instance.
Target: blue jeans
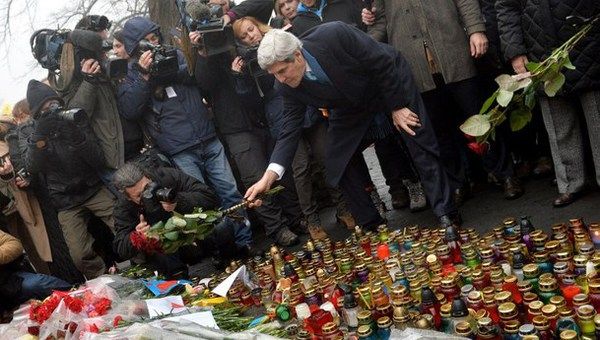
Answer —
(208, 163)
(39, 286)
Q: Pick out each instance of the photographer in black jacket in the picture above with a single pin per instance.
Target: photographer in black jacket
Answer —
(64, 149)
(150, 196)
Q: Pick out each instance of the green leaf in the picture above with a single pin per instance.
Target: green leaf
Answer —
(158, 225)
(552, 86)
(504, 97)
(476, 125)
(169, 225)
(532, 66)
(519, 118)
(488, 102)
(567, 64)
(530, 100)
(172, 235)
(512, 83)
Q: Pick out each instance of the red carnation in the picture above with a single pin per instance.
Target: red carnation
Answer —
(73, 303)
(117, 320)
(146, 244)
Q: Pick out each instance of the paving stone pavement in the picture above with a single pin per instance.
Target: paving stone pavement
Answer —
(483, 212)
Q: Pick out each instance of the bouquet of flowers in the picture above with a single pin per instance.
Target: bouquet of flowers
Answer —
(182, 230)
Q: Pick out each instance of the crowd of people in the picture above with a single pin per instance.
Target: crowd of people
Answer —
(89, 161)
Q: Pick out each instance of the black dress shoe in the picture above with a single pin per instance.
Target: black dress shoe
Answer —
(564, 199)
(512, 188)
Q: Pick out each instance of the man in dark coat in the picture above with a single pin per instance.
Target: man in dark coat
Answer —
(341, 69)
(136, 211)
(531, 30)
(65, 150)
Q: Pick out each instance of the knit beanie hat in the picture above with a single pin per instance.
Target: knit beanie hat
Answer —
(38, 93)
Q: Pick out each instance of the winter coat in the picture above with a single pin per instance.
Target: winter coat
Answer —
(70, 168)
(442, 26)
(10, 284)
(99, 102)
(231, 113)
(536, 27)
(29, 209)
(191, 193)
(260, 9)
(175, 122)
(346, 11)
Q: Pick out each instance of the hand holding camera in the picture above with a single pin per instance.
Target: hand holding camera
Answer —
(90, 67)
(145, 62)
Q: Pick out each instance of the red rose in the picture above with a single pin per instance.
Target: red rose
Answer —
(478, 148)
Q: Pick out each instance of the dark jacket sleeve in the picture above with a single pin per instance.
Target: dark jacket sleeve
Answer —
(512, 40)
(205, 74)
(291, 131)
(260, 9)
(191, 193)
(84, 97)
(126, 219)
(133, 95)
(379, 29)
(379, 61)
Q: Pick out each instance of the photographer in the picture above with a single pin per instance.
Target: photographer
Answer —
(170, 108)
(87, 85)
(64, 149)
(243, 128)
(148, 197)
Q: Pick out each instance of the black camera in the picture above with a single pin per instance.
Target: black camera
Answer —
(98, 23)
(153, 192)
(76, 116)
(113, 68)
(164, 59)
(24, 175)
(46, 47)
(249, 55)
(201, 16)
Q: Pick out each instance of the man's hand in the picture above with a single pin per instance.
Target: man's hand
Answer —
(518, 63)
(226, 19)
(21, 183)
(168, 207)
(368, 17)
(7, 167)
(90, 67)
(142, 227)
(260, 187)
(404, 118)
(479, 44)
(145, 62)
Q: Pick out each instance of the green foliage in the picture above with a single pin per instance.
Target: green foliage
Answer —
(515, 97)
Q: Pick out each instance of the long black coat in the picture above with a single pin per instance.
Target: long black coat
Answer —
(370, 76)
(536, 27)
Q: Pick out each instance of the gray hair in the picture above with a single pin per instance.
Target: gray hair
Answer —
(277, 45)
(127, 176)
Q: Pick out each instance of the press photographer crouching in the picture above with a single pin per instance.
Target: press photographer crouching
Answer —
(150, 196)
(65, 150)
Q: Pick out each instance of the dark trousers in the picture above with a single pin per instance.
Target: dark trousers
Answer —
(251, 152)
(465, 97)
(395, 162)
(424, 150)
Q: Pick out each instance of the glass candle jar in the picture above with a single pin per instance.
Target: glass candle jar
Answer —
(585, 317)
(547, 289)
